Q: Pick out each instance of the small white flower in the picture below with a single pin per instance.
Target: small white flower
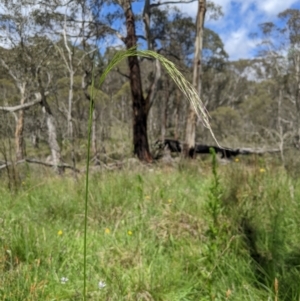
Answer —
(101, 284)
(64, 280)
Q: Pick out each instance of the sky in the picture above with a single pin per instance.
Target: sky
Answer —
(241, 18)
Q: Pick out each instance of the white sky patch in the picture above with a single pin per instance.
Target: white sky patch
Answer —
(274, 7)
(238, 44)
(110, 41)
(225, 4)
(241, 18)
(10, 35)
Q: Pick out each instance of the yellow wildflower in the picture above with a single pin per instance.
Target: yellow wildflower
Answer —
(147, 197)
(262, 170)
(169, 201)
(107, 231)
(237, 160)
(129, 232)
(228, 293)
(60, 232)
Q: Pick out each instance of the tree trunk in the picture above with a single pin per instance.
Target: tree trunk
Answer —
(52, 136)
(176, 115)
(140, 104)
(165, 110)
(94, 137)
(52, 139)
(86, 81)
(190, 131)
(297, 98)
(19, 138)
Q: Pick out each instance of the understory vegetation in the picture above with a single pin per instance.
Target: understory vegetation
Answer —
(194, 231)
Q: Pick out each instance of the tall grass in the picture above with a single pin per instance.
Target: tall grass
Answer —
(164, 234)
(187, 89)
(148, 236)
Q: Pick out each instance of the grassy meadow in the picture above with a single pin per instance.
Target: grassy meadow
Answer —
(195, 231)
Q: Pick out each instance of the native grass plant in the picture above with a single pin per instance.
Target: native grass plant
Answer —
(218, 242)
(186, 88)
(259, 203)
(153, 234)
(149, 236)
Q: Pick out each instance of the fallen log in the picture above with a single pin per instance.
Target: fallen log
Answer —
(176, 146)
(62, 165)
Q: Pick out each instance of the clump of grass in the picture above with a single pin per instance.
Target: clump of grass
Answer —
(259, 204)
(149, 236)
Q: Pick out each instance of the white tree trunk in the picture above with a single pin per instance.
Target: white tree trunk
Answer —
(19, 138)
(190, 131)
(52, 133)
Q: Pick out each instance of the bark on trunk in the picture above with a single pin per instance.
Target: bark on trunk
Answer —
(297, 67)
(94, 137)
(52, 135)
(177, 110)
(190, 132)
(52, 139)
(140, 104)
(280, 128)
(85, 84)
(19, 138)
(165, 111)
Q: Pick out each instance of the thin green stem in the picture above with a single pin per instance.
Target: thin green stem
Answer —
(87, 186)
(187, 89)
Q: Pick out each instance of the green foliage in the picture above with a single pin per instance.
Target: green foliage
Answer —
(226, 122)
(182, 84)
(9, 94)
(260, 101)
(260, 207)
(150, 235)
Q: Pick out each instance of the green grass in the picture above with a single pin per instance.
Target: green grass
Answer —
(150, 235)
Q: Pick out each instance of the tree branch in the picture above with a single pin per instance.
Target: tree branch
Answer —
(21, 107)
(121, 73)
(171, 2)
(62, 165)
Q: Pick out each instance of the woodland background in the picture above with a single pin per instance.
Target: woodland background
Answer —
(177, 229)
(49, 56)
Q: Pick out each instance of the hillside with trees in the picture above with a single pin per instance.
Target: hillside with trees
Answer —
(49, 60)
(139, 161)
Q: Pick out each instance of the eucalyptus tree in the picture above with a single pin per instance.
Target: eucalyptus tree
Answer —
(151, 37)
(140, 103)
(25, 56)
(16, 61)
(104, 19)
(280, 49)
(75, 36)
(209, 54)
(190, 132)
(291, 29)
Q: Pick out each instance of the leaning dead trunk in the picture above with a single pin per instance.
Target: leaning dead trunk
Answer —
(190, 132)
(86, 81)
(52, 139)
(52, 135)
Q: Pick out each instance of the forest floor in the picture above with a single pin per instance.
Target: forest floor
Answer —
(197, 231)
